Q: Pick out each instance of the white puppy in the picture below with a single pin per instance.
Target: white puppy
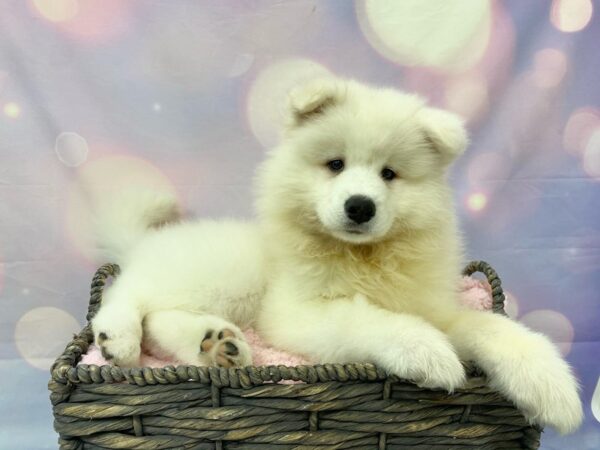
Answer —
(356, 257)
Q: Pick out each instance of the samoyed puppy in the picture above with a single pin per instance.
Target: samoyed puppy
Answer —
(356, 256)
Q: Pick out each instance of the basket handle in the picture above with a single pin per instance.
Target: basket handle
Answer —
(98, 283)
(112, 270)
(493, 279)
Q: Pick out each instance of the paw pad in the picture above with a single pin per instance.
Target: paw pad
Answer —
(222, 346)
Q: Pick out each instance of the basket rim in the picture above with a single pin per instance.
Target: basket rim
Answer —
(66, 370)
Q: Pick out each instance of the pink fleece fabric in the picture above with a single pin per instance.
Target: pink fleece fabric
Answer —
(474, 294)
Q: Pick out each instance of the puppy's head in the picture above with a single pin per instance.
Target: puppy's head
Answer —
(360, 163)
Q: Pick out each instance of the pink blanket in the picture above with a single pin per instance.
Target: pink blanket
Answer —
(474, 294)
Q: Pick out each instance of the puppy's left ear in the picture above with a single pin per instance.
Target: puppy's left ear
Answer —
(445, 132)
(310, 100)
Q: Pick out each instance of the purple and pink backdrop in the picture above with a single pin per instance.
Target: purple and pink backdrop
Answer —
(188, 95)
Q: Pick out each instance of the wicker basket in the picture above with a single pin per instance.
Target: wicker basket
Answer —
(350, 406)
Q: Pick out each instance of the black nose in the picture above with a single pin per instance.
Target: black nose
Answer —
(359, 208)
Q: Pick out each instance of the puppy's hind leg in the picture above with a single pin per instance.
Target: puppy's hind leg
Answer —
(117, 331)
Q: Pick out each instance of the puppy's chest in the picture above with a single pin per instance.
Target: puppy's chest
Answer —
(388, 286)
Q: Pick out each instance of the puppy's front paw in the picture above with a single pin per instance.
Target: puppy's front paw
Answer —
(430, 362)
(226, 348)
(439, 368)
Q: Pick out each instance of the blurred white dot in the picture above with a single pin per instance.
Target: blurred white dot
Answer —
(25, 291)
(571, 15)
(57, 10)
(511, 305)
(452, 34)
(550, 67)
(581, 125)
(71, 149)
(12, 110)
(467, 96)
(554, 325)
(266, 101)
(591, 157)
(596, 401)
(477, 201)
(156, 107)
(241, 65)
(41, 335)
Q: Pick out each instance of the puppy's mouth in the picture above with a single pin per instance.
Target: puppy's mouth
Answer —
(351, 231)
(352, 228)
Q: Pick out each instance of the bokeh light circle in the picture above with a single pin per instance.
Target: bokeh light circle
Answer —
(452, 34)
(266, 100)
(553, 324)
(104, 178)
(467, 96)
(591, 157)
(571, 15)
(579, 128)
(57, 10)
(41, 334)
(477, 201)
(91, 21)
(549, 68)
(483, 78)
(71, 149)
(12, 110)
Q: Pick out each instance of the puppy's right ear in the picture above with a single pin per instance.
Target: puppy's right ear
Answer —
(310, 100)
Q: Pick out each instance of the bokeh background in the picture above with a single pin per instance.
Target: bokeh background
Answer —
(187, 95)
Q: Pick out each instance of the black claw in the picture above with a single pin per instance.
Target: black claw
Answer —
(221, 335)
(105, 354)
(231, 349)
(208, 335)
(102, 336)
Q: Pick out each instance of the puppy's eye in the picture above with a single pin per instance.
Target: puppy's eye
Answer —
(388, 174)
(336, 165)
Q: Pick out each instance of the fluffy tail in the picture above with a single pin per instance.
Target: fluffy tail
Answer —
(119, 220)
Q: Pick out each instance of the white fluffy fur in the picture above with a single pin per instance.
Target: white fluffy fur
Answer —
(316, 284)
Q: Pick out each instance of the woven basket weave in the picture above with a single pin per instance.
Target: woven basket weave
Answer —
(349, 406)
